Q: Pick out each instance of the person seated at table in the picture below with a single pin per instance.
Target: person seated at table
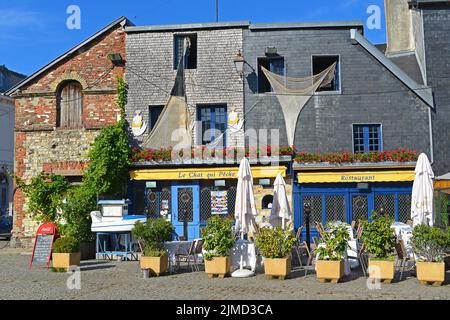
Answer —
(175, 236)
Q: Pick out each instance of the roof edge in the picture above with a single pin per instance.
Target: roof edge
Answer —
(189, 26)
(423, 92)
(122, 20)
(307, 25)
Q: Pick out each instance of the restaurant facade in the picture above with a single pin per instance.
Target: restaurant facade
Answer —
(349, 150)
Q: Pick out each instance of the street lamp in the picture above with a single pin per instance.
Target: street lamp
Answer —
(239, 63)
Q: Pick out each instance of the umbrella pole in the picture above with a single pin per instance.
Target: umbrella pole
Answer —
(242, 255)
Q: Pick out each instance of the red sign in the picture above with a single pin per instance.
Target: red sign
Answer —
(43, 244)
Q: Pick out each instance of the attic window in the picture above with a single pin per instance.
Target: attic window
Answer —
(178, 50)
(321, 63)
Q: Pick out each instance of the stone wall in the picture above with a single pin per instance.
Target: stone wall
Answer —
(39, 144)
(369, 94)
(436, 25)
(150, 74)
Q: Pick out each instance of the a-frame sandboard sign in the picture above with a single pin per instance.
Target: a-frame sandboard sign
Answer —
(43, 244)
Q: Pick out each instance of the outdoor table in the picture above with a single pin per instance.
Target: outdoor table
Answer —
(248, 251)
(404, 232)
(176, 247)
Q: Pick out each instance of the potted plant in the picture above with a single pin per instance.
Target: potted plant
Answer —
(330, 263)
(152, 235)
(429, 245)
(379, 241)
(219, 239)
(66, 253)
(275, 245)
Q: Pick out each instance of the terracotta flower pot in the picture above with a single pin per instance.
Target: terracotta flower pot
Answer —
(65, 260)
(277, 268)
(382, 270)
(329, 270)
(218, 267)
(428, 272)
(155, 265)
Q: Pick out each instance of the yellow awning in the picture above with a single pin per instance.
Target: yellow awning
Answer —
(355, 176)
(204, 173)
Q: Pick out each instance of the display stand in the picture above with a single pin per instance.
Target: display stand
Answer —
(114, 245)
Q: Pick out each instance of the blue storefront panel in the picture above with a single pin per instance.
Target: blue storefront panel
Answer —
(345, 202)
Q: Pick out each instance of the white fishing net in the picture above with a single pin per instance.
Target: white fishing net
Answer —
(294, 93)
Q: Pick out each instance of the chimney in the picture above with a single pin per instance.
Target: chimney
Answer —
(399, 29)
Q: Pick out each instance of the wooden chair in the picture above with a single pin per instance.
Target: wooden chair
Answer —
(315, 244)
(402, 257)
(182, 238)
(188, 257)
(310, 253)
(298, 245)
(353, 224)
(409, 223)
(320, 228)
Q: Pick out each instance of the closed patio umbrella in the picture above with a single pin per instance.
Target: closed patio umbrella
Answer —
(281, 212)
(245, 209)
(422, 207)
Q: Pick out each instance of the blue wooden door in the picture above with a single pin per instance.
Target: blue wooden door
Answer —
(186, 206)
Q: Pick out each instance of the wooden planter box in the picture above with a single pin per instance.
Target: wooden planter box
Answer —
(156, 265)
(332, 271)
(277, 268)
(65, 260)
(382, 270)
(431, 272)
(218, 267)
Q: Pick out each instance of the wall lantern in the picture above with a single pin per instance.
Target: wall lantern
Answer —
(239, 63)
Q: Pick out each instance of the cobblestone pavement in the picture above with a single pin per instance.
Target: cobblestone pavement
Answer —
(122, 280)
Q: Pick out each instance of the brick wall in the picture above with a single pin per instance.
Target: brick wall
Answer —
(39, 145)
(150, 74)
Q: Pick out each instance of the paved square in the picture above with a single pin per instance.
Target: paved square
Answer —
(123, 280)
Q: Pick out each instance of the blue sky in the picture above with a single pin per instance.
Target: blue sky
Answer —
(34, 32)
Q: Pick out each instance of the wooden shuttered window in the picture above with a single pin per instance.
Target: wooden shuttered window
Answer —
(70, 106)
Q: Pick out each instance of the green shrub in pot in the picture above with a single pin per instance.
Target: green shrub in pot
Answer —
(379, 241)
(218, 238)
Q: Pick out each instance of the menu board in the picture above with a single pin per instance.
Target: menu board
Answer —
(43, 244)
(43, 248)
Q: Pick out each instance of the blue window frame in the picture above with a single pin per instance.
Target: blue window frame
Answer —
(213, 120)
(366, 138)
(273, 64)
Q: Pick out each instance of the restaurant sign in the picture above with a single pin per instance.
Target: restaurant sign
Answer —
(356, 176)
(204, 173)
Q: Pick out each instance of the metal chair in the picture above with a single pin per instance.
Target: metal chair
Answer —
(187, 257)
(361, 256)
(198, 250)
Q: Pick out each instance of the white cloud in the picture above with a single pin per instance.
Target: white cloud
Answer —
(16, 18)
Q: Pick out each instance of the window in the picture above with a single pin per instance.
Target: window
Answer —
(153, 115)
(178, 50)
(367, 138)
(69, 105)
(266, 202)
(213, 123)
(321, 63)
(273, 64)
